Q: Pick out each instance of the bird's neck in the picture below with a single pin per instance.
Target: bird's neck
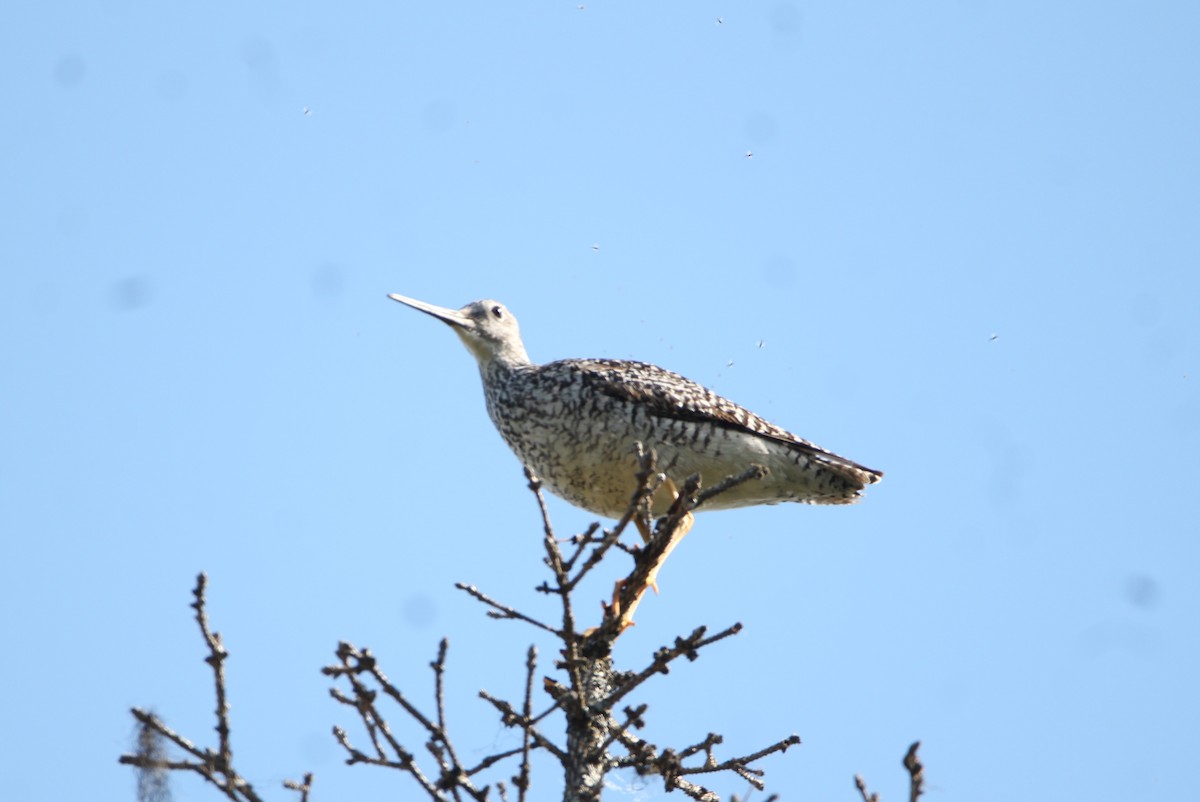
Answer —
(508, 355)
(499, 367)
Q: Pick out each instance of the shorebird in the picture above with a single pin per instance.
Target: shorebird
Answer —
(575, 422)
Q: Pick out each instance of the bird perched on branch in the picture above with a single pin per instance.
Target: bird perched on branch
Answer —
(575, 423)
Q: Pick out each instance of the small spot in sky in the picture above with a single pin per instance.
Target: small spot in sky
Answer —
(69, 71)
(130, 293)
(1141, 591)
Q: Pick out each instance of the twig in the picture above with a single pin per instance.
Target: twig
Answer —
(453, 777)
(646, 759)
(216, 659)
(521, 781)
(916, 772)
(740, 765)
(355, 662)
(207, 763)
(916, 777)
(648, 483)
(511, 718)
(861, 785)
(453, 774)
(684, 647)
(581, 541)
(633, 718)
(503, 611)
(303, 787)
(406, 763)
(705, 746)
(492, 760)
(730, 482)
(553, 554)
(215, 766)
(562, 581)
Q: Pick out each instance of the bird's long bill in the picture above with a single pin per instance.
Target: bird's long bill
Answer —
(451, 316)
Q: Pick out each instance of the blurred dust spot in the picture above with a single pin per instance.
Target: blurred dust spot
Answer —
(130, 293)
(69, 71)
(418, 611)
(327, 282)
(258, 54)
(784, 19)
(1142, 591)
(1008, 466)
(1115, 637)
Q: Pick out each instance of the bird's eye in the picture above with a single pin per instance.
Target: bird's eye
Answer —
(498, 312)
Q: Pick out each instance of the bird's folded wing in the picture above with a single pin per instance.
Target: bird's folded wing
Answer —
(663, 392)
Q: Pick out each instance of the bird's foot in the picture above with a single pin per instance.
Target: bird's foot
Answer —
(622, 613)
(645, 574)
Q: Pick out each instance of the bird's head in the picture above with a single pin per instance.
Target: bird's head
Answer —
(486, 327)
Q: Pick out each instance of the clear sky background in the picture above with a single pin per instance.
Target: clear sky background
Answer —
(956, 241)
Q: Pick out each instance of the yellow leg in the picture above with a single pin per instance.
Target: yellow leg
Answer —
(624, 613)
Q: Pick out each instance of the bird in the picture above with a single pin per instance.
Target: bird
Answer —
(576, 425)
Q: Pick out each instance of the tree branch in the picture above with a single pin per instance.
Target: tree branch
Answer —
(587, 693)
(214, 765)
(916, 777)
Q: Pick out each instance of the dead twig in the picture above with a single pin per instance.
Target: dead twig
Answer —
(683, 647)
(452, 775)
(916, 777)
(503, 611)
(916, 772)
(214, 765)
(588, 696)
(303, 787)
(521, 781)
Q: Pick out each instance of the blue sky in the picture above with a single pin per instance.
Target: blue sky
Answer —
(955, 241)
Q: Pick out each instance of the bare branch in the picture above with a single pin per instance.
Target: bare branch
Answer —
(355, 662)
(916, 772)
(648, 483)
(503, 611)
(216, 659)
(684, 647)
(728, 483)
(406, 763)
(705, 746)
(861, 785)
(916, 777)
(598, 738)
(452, 777)
(453, 773)
(304, 787)
(152, 776)
(215, 766)
(740, 765)
(492, 760)
(581, 542)
(645, 758)
(521, 781)
(511, 718)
